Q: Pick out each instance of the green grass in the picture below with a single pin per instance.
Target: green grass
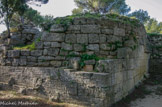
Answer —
(25, 47)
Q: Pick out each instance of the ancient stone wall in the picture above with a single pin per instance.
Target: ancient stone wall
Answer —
(156, 52)
(114, 54)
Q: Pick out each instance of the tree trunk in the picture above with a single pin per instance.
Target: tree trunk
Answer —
(22, 20)
(7, 19)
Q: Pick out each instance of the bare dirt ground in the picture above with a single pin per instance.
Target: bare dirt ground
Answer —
(13, 99)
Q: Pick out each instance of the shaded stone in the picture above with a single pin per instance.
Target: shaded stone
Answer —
(78, 47)
(55, 45)
(36, 53)
(93, 47)
(70, 38)
(107, 31)
(88, 68)
(93, 38)
(119, 32)
(56, 63)
(90, 29)
(13, 53)
(82, 38)
(66, 46)
(57, 28)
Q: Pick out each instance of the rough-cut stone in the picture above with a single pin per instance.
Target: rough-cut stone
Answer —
(74, 63)
(119, 31)
(124, 53)
(57, 28)
(45, 58)
(90, 29)
(107, 31)
(90, 62)
(55, 45)
(93, 38)
(53, 37)
(53, 51)
(82, 38)
(74, 28)
(31, 59)
(103, 38)
(39, 45)
(15, 62)
(22, 62)
(79, 47)
(67, 47)
(25, 53)
(47, 44)
(56, 63)
(105, 47)
(88, 68)
(14, 53)
(70, 38)
(36, 53)
(93, 47)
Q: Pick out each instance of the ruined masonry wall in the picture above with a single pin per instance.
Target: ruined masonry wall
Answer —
(56, 69)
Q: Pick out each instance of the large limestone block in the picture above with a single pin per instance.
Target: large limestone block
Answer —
(82, 38)
(93, 47)
(93, 38)
(90, 29)
(13, 53)
(53, 37)
(119, 31)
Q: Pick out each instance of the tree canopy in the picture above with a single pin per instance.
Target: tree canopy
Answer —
(101, 6)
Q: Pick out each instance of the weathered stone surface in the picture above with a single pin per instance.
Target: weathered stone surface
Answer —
(79, 47)
(53, 51)
(31, 59)
(119, 31)
(82, 38)
(74, 63)
(53, 37)
(70, 38)
(90, 62)
(39, 45)
(105, 47)
(45, 58)
(25, 53)
(15, 62)
(13, 53)
(23, 62)
(56, 63)
(47, 44)
(36, 53)
(107, 31)
(103, 38)
(93, 47)
(57, 28)
(66, 46)
(123, 53)
(93, 38)
(74, 27)
(90, 29)
(55, 45)
(88, 68)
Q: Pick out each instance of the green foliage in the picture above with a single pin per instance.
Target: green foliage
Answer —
(154, 34)
(115, 45)
(25, 47)
(101, 6)
(85, 57)
(140, 15)
(152, 26)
